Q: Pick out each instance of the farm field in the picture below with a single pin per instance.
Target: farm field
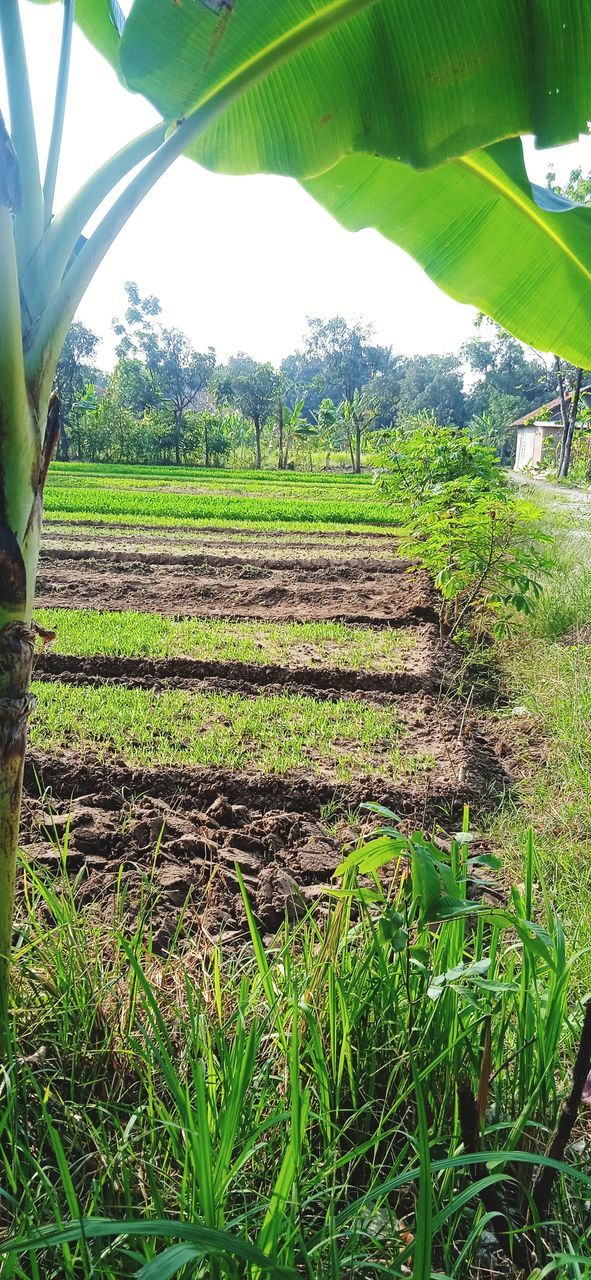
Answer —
(222, 696)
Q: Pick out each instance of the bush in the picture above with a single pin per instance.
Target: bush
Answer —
(484, 548)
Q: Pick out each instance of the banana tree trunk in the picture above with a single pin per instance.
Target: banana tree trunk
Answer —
(24, 459)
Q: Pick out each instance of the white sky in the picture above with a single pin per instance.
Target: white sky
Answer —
(237, 263)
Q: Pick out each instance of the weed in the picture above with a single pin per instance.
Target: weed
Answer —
(232, 1115)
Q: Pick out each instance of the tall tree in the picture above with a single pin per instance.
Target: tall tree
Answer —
(252, 388)
(346, 358)
(75, 370)
(433, 383)
(178, 373)
(577, 190)
(507, 380)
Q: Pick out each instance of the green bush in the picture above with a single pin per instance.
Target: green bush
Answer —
(483, 547)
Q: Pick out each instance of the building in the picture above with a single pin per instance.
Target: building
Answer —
(539, 430)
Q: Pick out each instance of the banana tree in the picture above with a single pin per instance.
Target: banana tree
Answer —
(392, 115)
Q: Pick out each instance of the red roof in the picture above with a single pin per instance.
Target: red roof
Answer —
(550, 405)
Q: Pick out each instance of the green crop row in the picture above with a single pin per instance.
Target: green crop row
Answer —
(302, 644)
(88, 502)
(200, 475)
(274, 734)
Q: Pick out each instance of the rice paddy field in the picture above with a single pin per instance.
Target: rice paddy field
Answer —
(238, 661)
(260, 1028)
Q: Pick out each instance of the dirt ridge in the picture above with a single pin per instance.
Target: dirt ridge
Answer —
(208, 560)
(423, 675)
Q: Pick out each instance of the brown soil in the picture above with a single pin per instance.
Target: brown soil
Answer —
(237, 587)
(178, 833)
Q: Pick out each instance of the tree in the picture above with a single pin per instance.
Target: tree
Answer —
(569, 377)
(176, 371)
(346, 359)
(432, 383)
(463, 220)
(132, 386)
(74, 372)
(252, 388)
(508, 379)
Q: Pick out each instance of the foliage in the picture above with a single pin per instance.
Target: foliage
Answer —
(271, 1094)
(432, 382)
(484, 550)
(545, 669)
(176, 372)
(293, 416)
(75, 370)
(252, 388)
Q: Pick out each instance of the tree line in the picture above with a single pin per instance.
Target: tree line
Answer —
(166, 403)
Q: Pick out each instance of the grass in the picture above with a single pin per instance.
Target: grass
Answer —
(150, 635)
(300, 1101)
(274, 733)
(547, 670)
(172, 474)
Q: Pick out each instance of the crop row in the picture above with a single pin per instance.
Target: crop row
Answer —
(274, 734)
(150, 635)
(87, 502)
(201, 475)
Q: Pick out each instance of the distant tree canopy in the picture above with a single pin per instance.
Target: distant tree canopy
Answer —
(75, 370)
(166, 402)
(251, 387)
(175, 372)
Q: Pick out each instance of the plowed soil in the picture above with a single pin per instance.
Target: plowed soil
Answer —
(286, 833)
(237, 587)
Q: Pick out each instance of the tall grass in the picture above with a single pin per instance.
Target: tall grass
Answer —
(288, 1110)
(547, 671)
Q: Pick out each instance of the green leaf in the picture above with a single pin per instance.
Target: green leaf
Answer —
(169, 1262)
(425, 880)
(476, 228)
(346, 95)
(417, 83)
(205, 1240)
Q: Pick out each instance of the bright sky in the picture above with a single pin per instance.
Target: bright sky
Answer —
(237, 263)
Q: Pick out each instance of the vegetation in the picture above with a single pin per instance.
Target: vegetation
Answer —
(299, 1101)
(547, 671)
(381, 1083)
(324, 407)
(149, 635)
(482, 547)
(145, 498)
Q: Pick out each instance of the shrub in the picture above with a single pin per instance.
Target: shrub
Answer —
(483, 547)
